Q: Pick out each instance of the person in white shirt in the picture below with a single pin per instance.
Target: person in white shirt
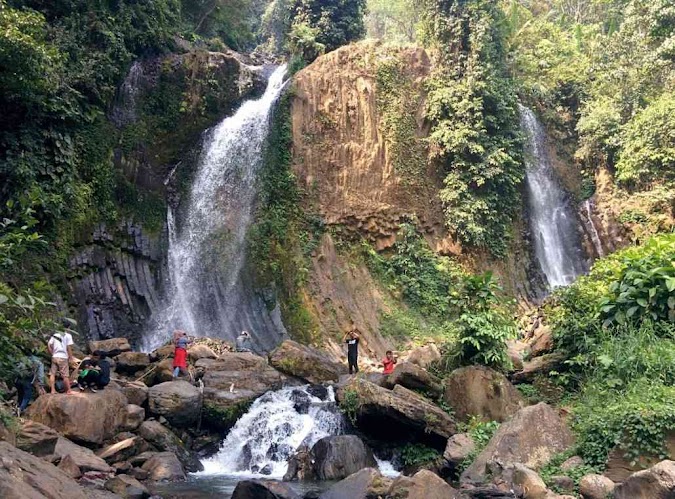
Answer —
(60, 347)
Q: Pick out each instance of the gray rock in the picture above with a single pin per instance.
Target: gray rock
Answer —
(178, 401)
(38, 439)
(166, 440)
(131, 362)
(414, 377)
(458, 448)
(263, 489)
(135, 391)
(338, 457)
(127, 487)
(83, 458)
(367, 483)
(307, 363)
(594, 486)
(657, 482)
(423, 485)
(164, 466)
(135, 416)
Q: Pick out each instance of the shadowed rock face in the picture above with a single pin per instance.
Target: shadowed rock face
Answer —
(331, 458)
(657, 482)
(82, 417)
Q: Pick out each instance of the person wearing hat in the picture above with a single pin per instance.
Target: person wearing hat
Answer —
(60, 347)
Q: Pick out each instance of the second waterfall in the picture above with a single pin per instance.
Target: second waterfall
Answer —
(553, 222)
(208, 293)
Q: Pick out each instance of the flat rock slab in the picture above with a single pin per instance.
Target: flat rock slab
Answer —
(307, 363)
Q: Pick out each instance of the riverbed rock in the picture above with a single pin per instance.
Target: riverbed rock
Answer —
(197, 352)
(657, 482)
(122, 450)
(121, 344)
(594, 486)
(164, 466)
(131, 362)
(135, 416)
(619, 467)
(165, 440)
(337, 457)
(386, 414)
(83, 458)
(424, 356)
(422, 485)
(178, 401)
(483, 392)
(458, 448)
(70, 468)
(305, 362)
(135, 391)
(414, 377)
(367, 483)
(83, 417)
(36, 438)
(527, 482)
(127, 487)
(531, 438)
(231, 383)
(24, 476)
(263, 489)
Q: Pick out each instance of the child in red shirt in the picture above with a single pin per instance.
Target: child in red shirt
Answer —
(388, 362)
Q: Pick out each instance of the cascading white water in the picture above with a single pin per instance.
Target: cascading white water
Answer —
(208, 295)
(587, 219)
(275, 426)
(556, 240)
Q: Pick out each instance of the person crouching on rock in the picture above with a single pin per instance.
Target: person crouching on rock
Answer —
(388, 362)
(352, 339)
(30, 373)
(100, 358)
(243, 342)
(180, 353)
(88, 376)
(60, 347)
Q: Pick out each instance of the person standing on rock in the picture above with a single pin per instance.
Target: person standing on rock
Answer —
(388, 362)
(243, 342)
(352, 337)
(181, 341)
(60, 347)
(31, 373)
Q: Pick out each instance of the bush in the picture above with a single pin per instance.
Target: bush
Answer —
(419, 455)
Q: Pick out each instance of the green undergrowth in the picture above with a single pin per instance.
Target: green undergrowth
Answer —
(222, 419)
(480, 432)
(419, 455)
(552, 469)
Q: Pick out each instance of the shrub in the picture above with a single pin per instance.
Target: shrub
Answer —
(419, 455)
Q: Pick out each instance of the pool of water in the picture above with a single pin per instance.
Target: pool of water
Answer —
(221, 486)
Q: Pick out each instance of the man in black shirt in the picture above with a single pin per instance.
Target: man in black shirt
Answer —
(352, 340)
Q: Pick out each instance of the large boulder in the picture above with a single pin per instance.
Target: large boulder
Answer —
(178, 401)
(388, 414)
(339, 456)
(263, 489)
(594, 486)
(367, 483)
(305, 362)
(424, 356)
(83, 458)
(135, 391)
(135, 416)
(538, 366)
(121, 344)
(131, 362)
(198, 352)
(458, 448)
(657, 482)
(70, 467)
(231, 383)
(23, 476)
(423, 485)
(83, 417)
(527, 483)
(164, 466)
(414, 377)
(619, 467)
(531, 437)
(483, 392)
(166, 440)
(160, 372)
(38, 439)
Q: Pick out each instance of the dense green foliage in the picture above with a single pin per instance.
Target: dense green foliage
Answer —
(475, 131)
(394, 20)
(480, 432)
(419, 455)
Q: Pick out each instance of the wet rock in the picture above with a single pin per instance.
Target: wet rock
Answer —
(423, 485)
(263, 489)
(135, 416)
(301, 401)
(481, 391)
(458, 448)
(127, 487)
(339, 456)
(594, 486)
(366, 483)
(414, 377)
(385, 413)
(531, 438)
(23, 476)
(305, 362)
(164, 466)
(131, 362)
(85, 417)
(84, 458)
(121, 344)
(166, 440)
(424, 356)
(135, 391)
(318, 391)
(36, 438)
(266, 470)
(178, 401)
(300, 466)
(657, 482)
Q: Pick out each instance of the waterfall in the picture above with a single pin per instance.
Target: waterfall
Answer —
(124, 110)
(553, 223)
(587, 219)
(276, 425)
(209, 295)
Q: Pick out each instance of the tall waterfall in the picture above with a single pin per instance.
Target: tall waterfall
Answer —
(209, 295)
(277, 423)
(557, 245)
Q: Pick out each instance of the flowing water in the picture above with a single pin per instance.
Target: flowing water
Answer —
(557, 245)
(587, 208)
(209, 295)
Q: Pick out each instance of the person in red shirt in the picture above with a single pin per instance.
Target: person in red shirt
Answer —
(388, 362)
